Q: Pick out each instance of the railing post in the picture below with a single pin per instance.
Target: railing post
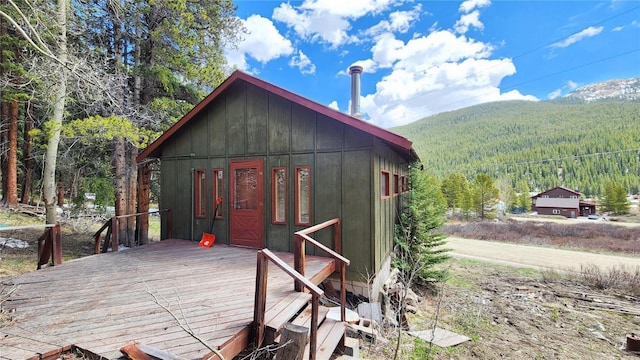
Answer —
(260, 297)
(343, 297)
(56, 244)
(115, 232)
(337, 241)
(298, 259)
(44, 250)
(98, 238)
(313, 341)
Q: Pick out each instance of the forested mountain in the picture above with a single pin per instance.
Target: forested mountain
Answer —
(576, 141)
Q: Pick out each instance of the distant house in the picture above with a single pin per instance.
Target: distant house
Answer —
(561, 201)
(281, 163)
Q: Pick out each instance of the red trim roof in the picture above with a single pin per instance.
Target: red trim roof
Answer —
(399, 143)
(557, 187)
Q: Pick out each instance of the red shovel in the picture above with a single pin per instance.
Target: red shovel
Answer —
(208, 239)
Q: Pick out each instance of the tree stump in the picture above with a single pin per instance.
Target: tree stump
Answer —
(297, 337)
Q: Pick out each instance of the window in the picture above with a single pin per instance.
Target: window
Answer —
(574, 197)
(303, 195)
(556, 211)
(200, 193)
(218, 191)
(279, 195)
(405, 184)
(384, 184)
(545, 196)
(396, 184)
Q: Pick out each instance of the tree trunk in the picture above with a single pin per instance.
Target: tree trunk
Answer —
(11, 196)
(59, 100)
(296, 337)
(144, 189)
(132, 194)
(120, 176)
(4, 152)
(27, 154)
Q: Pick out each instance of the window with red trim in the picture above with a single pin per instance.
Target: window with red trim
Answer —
(200, 193)
(384, 184)
(218, 192)
(396, 184)
(279, 195)
(303, 195)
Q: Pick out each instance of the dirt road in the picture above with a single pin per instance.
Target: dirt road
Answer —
(535, 256)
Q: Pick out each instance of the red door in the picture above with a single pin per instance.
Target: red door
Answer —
(247, 220)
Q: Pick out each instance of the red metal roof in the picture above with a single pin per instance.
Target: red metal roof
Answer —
(399, 143)
(557, 187)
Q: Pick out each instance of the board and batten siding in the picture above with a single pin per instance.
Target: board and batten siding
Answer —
(248, 122)
(386, 210)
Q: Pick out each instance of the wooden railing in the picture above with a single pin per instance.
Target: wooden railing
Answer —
(49, 244)
(264, 256)
(301, 237)
(112, 225)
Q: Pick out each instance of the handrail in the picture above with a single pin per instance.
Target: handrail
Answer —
(264, 256)
(302, 236)
(113, 224)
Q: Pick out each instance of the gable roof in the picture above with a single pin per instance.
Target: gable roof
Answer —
(574, 192)
(400, 144)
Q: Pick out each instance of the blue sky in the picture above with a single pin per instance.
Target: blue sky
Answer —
(425, 57)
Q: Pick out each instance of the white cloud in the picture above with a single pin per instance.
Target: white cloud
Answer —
(263, 43)
(302, 62)
(467, 21)
(429, 74)
(555, 94)
(334, 105)
(572, 39)
(570, 86)
(617, 28)
(328, 21)
(470, 5)
(399, 21)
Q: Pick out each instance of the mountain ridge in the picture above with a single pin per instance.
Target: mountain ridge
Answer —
(579, 141)
(618, 89)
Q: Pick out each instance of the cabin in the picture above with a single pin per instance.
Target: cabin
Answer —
(561, 201)
(254, 163)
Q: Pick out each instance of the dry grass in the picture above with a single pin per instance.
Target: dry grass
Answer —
(587, 236)
(621, 279)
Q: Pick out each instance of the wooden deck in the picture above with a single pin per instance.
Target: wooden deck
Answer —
(102, 302)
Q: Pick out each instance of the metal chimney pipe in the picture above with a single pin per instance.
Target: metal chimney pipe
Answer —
(355, 72)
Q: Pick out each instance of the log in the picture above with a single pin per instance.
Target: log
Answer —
(294, 338)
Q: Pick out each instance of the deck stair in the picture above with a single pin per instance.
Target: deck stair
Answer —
(330, 332)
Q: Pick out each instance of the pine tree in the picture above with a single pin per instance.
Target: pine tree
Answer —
(484, 196)
(615, 199)
(523, 200)
(418, 241)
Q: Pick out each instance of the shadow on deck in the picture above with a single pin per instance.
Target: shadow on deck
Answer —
(103, 302)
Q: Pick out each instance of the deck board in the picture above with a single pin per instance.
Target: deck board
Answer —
(102, 302)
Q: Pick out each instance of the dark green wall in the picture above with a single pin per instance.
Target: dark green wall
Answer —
(247, 122)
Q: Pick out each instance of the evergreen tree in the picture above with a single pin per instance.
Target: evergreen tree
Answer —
(615, 199)
(418, 241)
(455, 189)
(523, 200)
(484, 196)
